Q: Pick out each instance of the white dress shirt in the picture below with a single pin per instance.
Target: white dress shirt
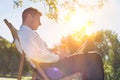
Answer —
(34, 47)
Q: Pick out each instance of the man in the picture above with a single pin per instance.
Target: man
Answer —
(53, 64)
(32, 44)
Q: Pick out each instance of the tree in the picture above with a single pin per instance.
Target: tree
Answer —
(105, 42)
(112, 52)
(9, 58)
(75, 40)
(69, 7)
(5, 56)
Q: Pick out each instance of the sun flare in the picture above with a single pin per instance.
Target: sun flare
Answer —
(88, 31)
(78, 20)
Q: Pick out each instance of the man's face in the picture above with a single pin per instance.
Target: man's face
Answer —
(36, 21)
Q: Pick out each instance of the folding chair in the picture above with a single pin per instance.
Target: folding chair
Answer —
(33, 64)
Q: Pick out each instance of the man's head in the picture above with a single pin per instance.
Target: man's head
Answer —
(31, 18)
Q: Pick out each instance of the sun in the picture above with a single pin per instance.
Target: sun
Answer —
(78, 20)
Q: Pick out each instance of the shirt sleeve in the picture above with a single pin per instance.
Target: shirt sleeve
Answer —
(33, 50)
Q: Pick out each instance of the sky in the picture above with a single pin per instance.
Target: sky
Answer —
(107, 17)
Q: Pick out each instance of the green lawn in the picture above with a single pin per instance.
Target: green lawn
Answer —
(23, 78)
(14, 77)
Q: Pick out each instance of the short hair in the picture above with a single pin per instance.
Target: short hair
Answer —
(31, 11)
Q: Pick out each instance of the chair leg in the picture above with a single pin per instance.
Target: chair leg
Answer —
(21, 66)
(33, 75)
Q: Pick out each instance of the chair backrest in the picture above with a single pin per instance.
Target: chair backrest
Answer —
(20, 49)
(18, 46)
(15, 36)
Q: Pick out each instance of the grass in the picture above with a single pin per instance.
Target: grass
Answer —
(14, 77)
(8, 78)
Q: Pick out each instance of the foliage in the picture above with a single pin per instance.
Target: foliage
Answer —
(9, 58)
(67, 7)
(110, 46)
(5, 55)
(105, 42)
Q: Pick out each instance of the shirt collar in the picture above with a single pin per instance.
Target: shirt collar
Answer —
(26, 27)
